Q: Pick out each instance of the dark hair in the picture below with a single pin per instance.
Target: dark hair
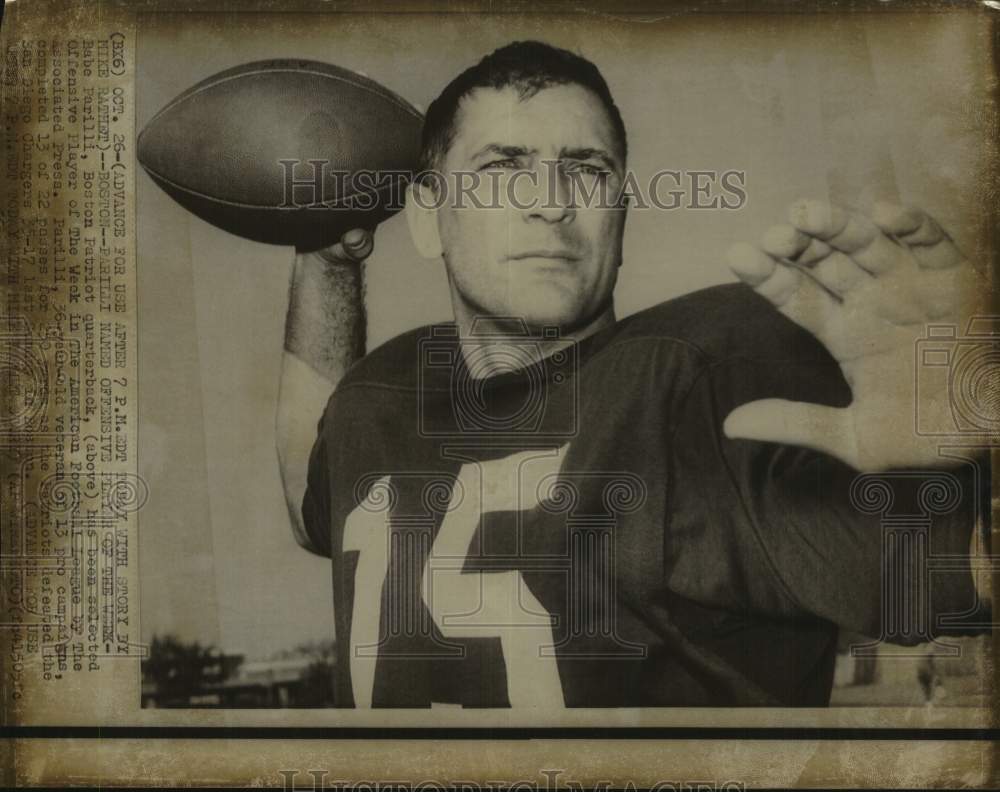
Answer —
(528, 66)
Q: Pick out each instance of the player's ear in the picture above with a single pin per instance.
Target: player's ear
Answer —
(422, 204)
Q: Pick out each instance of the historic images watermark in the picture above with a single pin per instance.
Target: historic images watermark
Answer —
(316, 780)
(549, 363)
(402, 559)
(551, 184)
(964, 363)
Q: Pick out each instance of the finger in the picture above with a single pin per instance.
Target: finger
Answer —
(784, 286)
(358, 243)
(334, 254)
(896, 219)
(826, 429)
(816, 252)
(819, 219)
(750, 264)
(840, 274)
(354, 246)
(927, 232)
(784, 241)
(850, 233)
(921, 234)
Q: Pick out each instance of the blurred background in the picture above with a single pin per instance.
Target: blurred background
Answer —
(825, 105)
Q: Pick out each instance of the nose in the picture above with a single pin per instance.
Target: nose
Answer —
(555, 198)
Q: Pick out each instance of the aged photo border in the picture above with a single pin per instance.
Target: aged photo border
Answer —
(21, 735)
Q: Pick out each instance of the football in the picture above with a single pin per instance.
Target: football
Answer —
(289, 152)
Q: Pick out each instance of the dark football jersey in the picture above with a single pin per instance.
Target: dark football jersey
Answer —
(579, 532)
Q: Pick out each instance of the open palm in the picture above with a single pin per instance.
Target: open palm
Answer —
(867, 288)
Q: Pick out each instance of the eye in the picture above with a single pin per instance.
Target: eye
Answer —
(586, 168)
(507, 163)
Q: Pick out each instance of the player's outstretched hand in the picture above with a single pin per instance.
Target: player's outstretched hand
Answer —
(866, 287)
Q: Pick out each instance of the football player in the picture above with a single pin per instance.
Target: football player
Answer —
(541, 505)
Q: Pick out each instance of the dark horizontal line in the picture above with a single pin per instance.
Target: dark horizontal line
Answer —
(481, 733)
(620, 13)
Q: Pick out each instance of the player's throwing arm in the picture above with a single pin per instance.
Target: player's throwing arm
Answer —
(296, 134)
(324, 335)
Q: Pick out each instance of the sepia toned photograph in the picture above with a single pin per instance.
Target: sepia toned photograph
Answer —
(535, 372)
(498, 397)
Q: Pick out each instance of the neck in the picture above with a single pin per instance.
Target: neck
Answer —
(494, 345)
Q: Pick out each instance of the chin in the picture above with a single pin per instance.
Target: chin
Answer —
(547, 313)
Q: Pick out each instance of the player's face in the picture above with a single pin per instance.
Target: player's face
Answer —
(525, 240)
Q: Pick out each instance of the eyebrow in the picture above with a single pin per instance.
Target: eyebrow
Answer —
(589, 153)
(504, 150)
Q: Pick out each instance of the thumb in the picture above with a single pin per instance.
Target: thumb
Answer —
(354, 247)
(358, 243)
(826, 429)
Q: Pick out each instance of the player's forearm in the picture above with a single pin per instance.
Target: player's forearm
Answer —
(324, 335)
(325, 326)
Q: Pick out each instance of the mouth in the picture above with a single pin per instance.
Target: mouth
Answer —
(554, 256)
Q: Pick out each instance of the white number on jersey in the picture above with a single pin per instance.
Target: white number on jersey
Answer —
(463, 605)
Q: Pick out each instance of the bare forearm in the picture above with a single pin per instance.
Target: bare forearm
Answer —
(325, 326)
(324, 335)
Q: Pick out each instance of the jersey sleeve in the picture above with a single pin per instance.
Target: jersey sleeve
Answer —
(316, 502)
(809, 538)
